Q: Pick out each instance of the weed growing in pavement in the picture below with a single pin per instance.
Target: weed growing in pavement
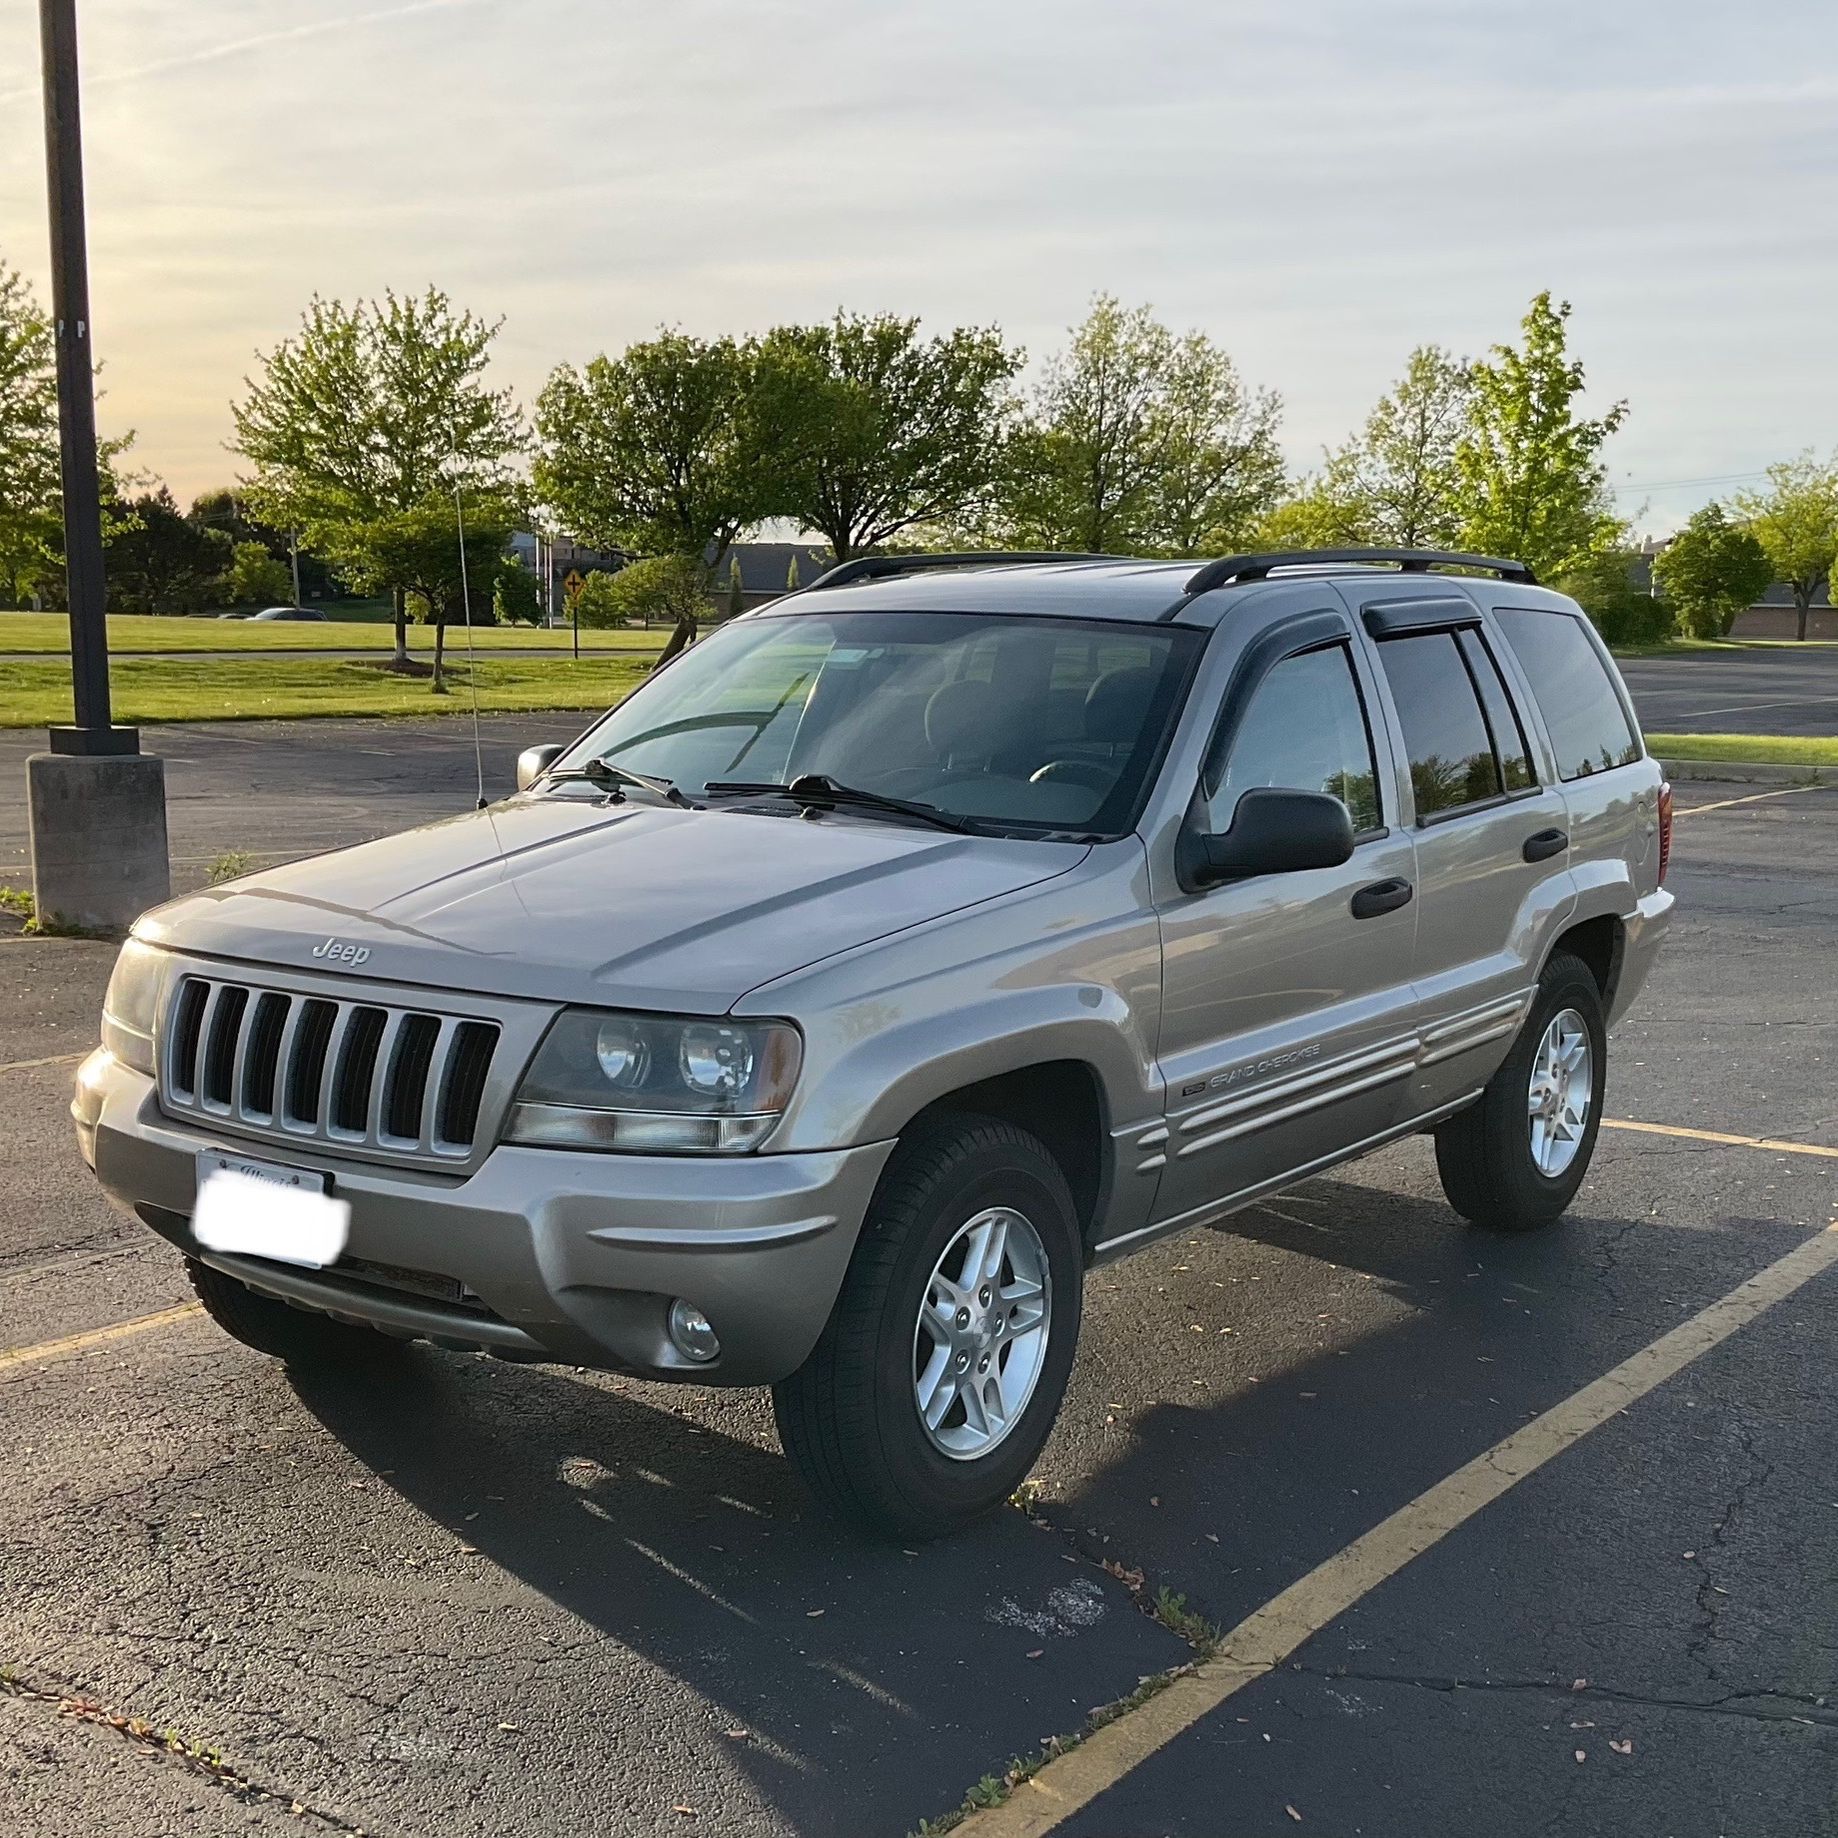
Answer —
(229, 865)
(19, 902)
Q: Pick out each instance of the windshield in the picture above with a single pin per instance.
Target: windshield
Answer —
(1015, 723)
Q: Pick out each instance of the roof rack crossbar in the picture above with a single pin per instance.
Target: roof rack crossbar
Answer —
(1229, 570)
(877, 567)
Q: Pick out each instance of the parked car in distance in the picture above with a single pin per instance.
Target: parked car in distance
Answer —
(907, 947)
(286, 612)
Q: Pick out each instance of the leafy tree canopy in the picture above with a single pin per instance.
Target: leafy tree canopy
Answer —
(1796, 522)
(368, 413)
(645, 452)
(866, 430)
(257, 578)
(1141, 441)
(158, 561)
(1712, 570)
(31, 487)
(1394, 483)
(1529, 481)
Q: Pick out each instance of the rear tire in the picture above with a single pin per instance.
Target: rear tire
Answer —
(1513, 1160)
(941, 1369)
(298, 1336)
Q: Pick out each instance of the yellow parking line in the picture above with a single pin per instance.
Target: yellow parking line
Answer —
(55, 1059)
(1264, 1640)
(1755, 797)
(1739, 1142)
(99, 1336)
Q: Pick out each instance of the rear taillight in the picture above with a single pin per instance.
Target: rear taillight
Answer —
(1665, 830)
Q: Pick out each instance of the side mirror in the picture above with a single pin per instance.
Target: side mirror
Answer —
(1274, 831)
(533, 762)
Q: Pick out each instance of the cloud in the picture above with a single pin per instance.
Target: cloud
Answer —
(255, 41)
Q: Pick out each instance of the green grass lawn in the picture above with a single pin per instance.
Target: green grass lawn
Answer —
(150, 689)
(1719, 647)
(1751, 749)
(49, 634)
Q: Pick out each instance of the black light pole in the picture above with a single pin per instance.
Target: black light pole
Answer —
(76, 396)
(96, 804)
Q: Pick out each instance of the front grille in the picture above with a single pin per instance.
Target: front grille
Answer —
(308, 1068)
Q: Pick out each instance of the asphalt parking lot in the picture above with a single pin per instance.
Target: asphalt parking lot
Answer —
(495, 1599)
(1773, 689)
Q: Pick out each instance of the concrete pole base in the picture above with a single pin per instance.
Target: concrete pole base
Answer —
(98, 825)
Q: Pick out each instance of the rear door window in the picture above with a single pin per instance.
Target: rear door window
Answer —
(1503, 722)
(1452, 761)
(1589, 728)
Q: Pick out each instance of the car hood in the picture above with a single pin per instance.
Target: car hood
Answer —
(573, 899)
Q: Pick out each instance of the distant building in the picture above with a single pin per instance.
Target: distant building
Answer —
(1774, 615)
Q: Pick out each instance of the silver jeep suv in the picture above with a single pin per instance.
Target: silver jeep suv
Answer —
(902, 950)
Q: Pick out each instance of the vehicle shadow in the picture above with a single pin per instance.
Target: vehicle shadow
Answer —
(1312, 1393)
(855, 1687)
(1371, 1346)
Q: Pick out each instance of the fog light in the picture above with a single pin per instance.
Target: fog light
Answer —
(691, 1333)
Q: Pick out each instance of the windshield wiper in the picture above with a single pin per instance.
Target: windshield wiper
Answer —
(617, 779)
(818, 788)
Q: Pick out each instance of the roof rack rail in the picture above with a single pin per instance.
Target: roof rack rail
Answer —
(1231, 569)
(876, 567)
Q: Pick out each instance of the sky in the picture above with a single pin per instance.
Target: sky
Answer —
(1318, 184)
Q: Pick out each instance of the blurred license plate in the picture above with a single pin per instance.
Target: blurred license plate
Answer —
(255, 1208)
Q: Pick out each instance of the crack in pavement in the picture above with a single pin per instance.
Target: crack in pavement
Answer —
(197, 1759)
(1726, 1705)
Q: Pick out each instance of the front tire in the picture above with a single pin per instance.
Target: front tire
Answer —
(941, 1369)
(1513, 1160)
(296, 1335)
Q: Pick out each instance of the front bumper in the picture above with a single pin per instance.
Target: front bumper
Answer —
(568, 1257)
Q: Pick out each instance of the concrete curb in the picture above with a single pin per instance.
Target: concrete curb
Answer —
(1748, 772)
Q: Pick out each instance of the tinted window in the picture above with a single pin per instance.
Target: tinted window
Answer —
(1589, 728)
(1306, 731)
(1503, 723)
(1451, 756)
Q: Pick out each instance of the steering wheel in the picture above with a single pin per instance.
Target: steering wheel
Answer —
(1086, 772)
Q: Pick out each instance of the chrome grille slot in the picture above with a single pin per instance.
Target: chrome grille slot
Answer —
(308, 1068)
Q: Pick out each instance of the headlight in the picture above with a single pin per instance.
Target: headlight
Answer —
(130, 1005)
(656, 1083)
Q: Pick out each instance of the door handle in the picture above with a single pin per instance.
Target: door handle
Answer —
(1381, 897)
(1544, 844)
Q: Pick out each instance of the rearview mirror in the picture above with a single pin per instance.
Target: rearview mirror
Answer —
(1274, 831)
(533, 762)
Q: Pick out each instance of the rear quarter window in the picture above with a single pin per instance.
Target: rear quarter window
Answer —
(1589, 727)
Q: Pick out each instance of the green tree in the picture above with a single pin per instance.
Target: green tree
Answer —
(1711, 571)
(672, 587)
(31, 489)
(1315, 516)
(1529, 480)
(646, 452)
(158, 561)
(1221, 470)
(1085, 471)
(1602, 585)
(867, 430)
(515, 596)
(737, 595)
(419, 550)
(370, 412)
(1796, 522)
(225, 510)
(1141, 441)
(1394, 484)
(257, 578)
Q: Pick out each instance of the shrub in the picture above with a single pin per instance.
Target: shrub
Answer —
(257, 578)
(1619, 610)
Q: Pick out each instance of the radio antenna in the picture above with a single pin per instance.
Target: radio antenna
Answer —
(472, 673)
